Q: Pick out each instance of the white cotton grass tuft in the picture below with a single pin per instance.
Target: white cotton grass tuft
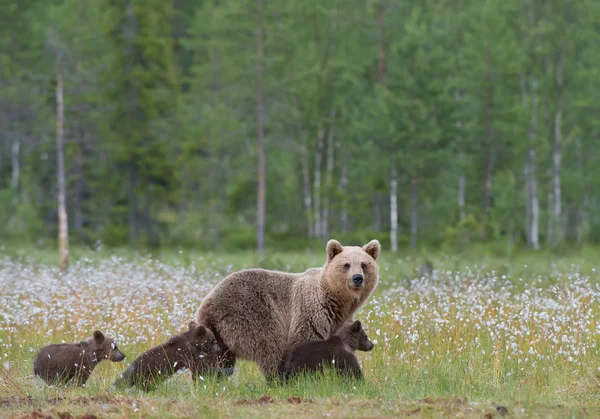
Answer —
(472, 317)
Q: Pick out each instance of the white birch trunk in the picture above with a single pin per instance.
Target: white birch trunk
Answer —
(461, 197)
(532, 201)
(557, 157)
(414, 213)
(328, 174)
(307, 195)
(343, 187)
(260, 102)
(535, 205)
(461, 176)
(63, 233)
(317, 183)
(394, 208)
(16, 168)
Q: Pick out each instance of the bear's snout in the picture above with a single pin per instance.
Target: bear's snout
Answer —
(357, 280)
(117, 356)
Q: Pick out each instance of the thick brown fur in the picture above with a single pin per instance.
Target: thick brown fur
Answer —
(258, 314)
(196, 349)
(61, 363)
(337, 351)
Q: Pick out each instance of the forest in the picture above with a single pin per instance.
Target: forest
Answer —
(279, 124)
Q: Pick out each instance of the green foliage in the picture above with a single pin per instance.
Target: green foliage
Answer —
(161, 120)
(464, 234)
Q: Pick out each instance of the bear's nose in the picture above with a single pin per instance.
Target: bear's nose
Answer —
(357, 279)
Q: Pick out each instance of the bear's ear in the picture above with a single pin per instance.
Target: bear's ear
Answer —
(200, 331)
(356, 326)
(192, 325)
(98, 337)
(373, 248)
(334, 248)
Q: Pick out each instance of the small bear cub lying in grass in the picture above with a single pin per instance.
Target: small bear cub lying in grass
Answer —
(61, 363)
(337, 351)
(196, 349)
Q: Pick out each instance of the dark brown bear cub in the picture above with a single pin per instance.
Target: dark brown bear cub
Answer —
(337, 351)
(61, 363)
(196, 349)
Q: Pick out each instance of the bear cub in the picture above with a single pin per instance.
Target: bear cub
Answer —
(196, 349)
(337, 351)
(61, 363)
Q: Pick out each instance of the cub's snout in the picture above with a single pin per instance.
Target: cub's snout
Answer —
(117, 356)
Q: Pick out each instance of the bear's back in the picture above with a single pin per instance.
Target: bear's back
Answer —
(250, 290)
(60, 360)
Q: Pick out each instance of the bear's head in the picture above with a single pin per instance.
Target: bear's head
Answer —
(353, 269)
(355, 337)
(203, 342)
(104, 347)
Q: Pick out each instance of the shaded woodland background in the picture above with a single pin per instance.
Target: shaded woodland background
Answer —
(247, 124)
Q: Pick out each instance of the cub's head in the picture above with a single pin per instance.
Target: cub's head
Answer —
(203, 342)
(355, 337)
(353, 268)
(104, 347)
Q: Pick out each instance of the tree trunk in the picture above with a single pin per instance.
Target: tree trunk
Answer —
(63, 233)
(132, 199)
(307, 195)
(583, 208)
(381, 24)
(378, 221)
(16, 168)
(78, 221)
(343, 187)
(129, 35)
(532, 202)
(556, 166)
(261, 205)
(488, 174)
(528, 217)
(461, 196)
(328, 174)
(394, 207)
(488, 141)
(461, 175)
(394, 170)
(317, 182)
(550, 223)
(557, 157)
(414, 213)
(550, 196)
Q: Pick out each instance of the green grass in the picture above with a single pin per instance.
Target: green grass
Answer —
(521, 332)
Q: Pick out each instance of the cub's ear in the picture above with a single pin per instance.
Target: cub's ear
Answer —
(372, 248)
(356, 326)
(98, 337)
(192, 325)
(334, 248)
(200, 331)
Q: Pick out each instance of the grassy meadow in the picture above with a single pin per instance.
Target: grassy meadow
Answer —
(482, 336)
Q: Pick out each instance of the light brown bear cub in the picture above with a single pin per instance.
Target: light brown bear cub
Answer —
(258, 314)
(196, 349)
(337, 352)
(65, 362)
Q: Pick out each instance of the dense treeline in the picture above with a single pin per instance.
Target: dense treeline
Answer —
(414, 121)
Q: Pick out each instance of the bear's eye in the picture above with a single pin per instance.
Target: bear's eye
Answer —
(347, 266)
(363, 265)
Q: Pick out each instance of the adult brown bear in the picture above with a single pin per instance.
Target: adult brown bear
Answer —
(257, 314)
